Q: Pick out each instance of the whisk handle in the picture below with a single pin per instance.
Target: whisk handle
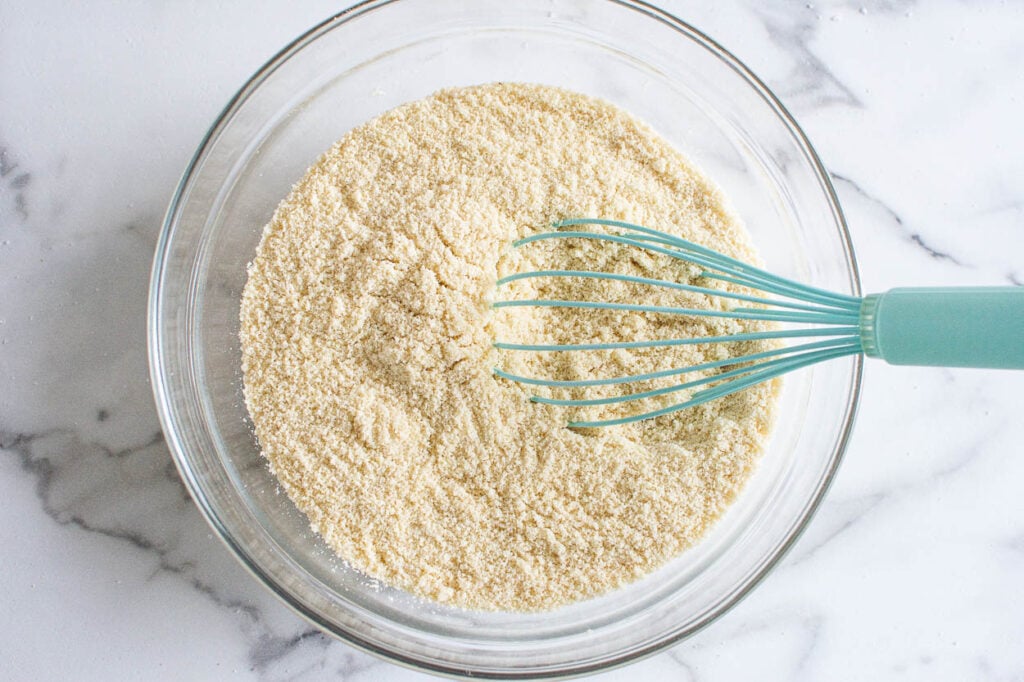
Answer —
(946, 326)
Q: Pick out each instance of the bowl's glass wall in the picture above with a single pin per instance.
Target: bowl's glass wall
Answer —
(387, 53)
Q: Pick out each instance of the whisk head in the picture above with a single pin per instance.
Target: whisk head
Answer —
(831, 318)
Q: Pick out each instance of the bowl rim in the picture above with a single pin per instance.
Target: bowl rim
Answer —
(169, 422)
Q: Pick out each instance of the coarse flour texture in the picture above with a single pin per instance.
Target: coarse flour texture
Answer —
(367, 348)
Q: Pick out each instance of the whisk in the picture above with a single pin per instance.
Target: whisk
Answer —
(941, 326)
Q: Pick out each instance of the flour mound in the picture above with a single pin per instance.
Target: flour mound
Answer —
(367, 339)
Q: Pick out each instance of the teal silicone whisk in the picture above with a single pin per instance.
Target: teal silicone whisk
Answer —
(943, 326)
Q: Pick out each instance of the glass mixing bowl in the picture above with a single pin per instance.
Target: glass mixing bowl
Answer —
(371, 58)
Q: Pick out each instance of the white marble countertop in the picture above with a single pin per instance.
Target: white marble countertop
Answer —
(912, 569)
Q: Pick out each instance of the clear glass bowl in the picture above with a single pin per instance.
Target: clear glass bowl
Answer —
(370, 59)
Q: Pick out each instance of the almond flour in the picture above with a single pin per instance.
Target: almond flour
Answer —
(367, 339)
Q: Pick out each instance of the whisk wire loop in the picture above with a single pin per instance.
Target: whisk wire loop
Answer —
(766, 372)
(830, 344)
(735, 313)
(612, 276)
(688, 341)
(724, 262)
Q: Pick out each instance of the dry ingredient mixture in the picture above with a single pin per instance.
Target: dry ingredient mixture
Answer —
(367, 351)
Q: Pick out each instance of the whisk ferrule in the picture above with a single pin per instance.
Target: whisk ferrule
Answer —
(946, 326)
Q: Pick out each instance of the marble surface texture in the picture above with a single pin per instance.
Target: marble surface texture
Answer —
(913, 567)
